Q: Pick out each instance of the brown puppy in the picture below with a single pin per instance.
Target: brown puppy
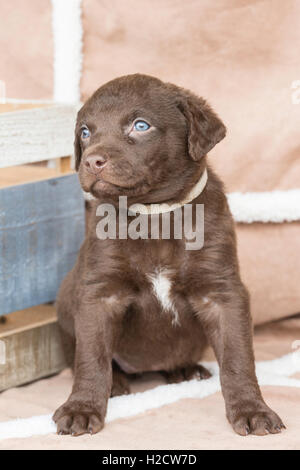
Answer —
(151, 304)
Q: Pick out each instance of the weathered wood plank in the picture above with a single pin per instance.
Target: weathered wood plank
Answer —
(9, 107)
(30, 346)
(41, 229)
(40, 133)
(64, 165)
(21, 174)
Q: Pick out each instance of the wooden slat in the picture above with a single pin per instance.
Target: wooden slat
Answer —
(28, 318)
(16, 175)
(35, 134)
(30, 345)
(11, 107)
(64, 165)
(41, 229)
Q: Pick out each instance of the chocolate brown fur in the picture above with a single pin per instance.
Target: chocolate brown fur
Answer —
(106, 304)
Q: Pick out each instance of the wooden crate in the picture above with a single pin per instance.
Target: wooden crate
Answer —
(41, 230)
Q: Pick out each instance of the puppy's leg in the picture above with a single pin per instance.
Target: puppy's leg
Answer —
(120, 382)
(96, 326)
(227, 324)
(64, 307)
(196, 371)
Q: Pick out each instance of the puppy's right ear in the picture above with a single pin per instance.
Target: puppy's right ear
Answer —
(205, 128)
(77, 151)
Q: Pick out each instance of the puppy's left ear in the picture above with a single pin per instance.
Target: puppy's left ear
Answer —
(205, 128)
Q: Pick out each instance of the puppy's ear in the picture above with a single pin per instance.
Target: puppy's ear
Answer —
(205, 128)
(77, 151)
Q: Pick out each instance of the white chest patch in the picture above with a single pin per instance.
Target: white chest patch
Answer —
(161, 285)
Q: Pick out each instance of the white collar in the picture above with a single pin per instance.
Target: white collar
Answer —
(165, 207)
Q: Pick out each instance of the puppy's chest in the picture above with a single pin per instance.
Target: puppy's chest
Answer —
(158, 274)
(161, 282)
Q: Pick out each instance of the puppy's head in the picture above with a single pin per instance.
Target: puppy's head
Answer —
(142, 138)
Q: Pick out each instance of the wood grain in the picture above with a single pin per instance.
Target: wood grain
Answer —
(36, 133)
(41, 230)
(21, 174)
(32, 345)
(11, 107)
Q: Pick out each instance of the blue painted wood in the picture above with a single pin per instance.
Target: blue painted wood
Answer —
(41, 230)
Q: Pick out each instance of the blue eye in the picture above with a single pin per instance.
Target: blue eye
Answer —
(141, 126)
(85, 133)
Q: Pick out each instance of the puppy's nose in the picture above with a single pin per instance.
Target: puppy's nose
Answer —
(95, 163)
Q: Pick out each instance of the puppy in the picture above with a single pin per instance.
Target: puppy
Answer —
(135, 304)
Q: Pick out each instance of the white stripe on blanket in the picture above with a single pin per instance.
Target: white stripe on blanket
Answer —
(273, 206)
(67, 40)
(269, 206)
(274, 372)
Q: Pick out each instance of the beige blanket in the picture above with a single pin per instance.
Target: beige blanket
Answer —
(189, 423)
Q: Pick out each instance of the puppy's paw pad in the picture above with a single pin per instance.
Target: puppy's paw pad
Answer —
(202, 373)
(197, 372)
(119, 389)
(259, 423)
(76, 422)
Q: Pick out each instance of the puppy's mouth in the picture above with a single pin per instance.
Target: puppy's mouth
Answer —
(108, 183)
(102, 183)
(107, 187)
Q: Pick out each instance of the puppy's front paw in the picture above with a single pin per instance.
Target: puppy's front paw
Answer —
(254, 418)
(78, 417)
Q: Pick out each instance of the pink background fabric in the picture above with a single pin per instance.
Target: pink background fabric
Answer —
(26, 48)
(241, 55)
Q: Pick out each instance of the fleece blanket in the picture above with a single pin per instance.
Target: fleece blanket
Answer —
(189, 415)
